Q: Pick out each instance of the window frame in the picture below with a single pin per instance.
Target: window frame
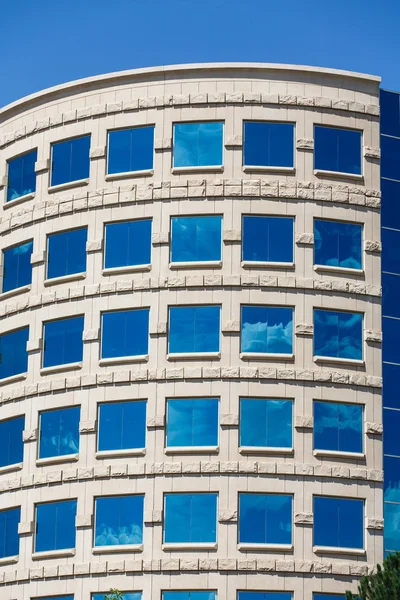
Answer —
(71, 276)
(208, 354)
(192, 449)
(205, 168)
(340, 453)
(269, 168)
(340, 549)
(339, 174)
(127, 268)
(28, 196)
(254, 264)
(191, 545)
(265, 545)
(338, 269)
(127, 174)
(74, 182)
(117, 547)
(243, 449)
(126, 358)
(318, 358)
(140, 451)
(57, 458)
(196, 263)
(20, 288)
(63, 366)
(245, 354)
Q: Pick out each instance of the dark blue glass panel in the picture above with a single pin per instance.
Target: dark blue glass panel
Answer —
(17, 268)
(267, 239)
(267, 329)
(265, 596)
(337, 150)
(21, 176)
(268, 144)
(338, 522)
(391, 467)
(196, 239)
(9, 538)
(390, 163)
(122, 425)
(390, 250)
(194, 329)
(390, 295)
(125, 596)
(391, 378)
(192, 422)
(63, 341)
(391, 346)
(127, 244)
(391, 513)
(265, 519)
(195, 595)
(119, 520)
(338, 427)
(13, 354)
(125, 333)
(198, 144)
(266, 423)
(11, 443)
(130, 149)
(70, 160)
(59, 432)
(190, 518)
(337, 244)
(391, 427)
(390, 207)
(66, 253)
(55, 526)
(390, 113)
(338, 334)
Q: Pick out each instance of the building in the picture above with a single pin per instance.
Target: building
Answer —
(190, 338)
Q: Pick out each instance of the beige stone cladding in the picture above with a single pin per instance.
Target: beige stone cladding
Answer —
(163, 96)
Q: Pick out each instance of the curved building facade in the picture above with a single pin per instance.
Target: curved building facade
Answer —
(190, 336)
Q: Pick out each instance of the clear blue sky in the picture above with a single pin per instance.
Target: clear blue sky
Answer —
(47, 42)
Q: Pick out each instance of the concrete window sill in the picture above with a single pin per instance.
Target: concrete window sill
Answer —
(61, 368)
(119, 453)
(204, 169)
(129, 174)
(53, 554)
(330, 550)
(10, 468)
(64, 279)
(9, 560)
(16, 201)
(339, 361)
(128, 269)
(194, 356)
(267, 169)
(121, 360)
(338, 454)
(192, 450)
(266, 547)
(254, 264)
(15, 292)
(338, 270)
(68, 185)
(264, 450)
(212, 264)
(13, 378)
(265, 356)
(53, 460)
(117, 549)
(190, 546)
(338, 175)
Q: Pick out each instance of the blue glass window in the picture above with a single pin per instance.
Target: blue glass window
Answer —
(122, 425)
(391, 378)
(264, 596)
(9, 538)
(198, 144)
(11, 442)
(192, 422)
(391, 514)
(125, 333)
(59, 432)
(391, 250)
(130, 150)
(391, 425)
(125, 596)
(266, 423)
(55, 526)
(127, 244)
(390, 113)
(390, 203)
(337, 244)
(391, 347)
(338, 334)
(338, 427)
(267, 239)
(391, 466)
(267, 329)
(119, 520)
(196, 239)
(338, 522)
(70, 160)
(390, 295)
(21, 176)
(265, 519)
(390, 164)
(66, 253)
(195, 595)
(13, 354)
(63, 341)
(194, 329)
(268, 144)
(337, 150)
(190, 518)
(17, 268)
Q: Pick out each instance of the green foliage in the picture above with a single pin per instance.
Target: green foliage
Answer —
(114, 595)
(383, 583)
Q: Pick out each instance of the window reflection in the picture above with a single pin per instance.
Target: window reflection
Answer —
(198, 144)
(63, 341)
(190, 518)
(392, 527)
(119, 520)
(390, 113)
(391, 333)
(338, 522)
(267, 329)
(196, 239)
(194, 329)
(391, 250)
(391, 377)
(338, 427)
(9, 538)
(266, 423)
(391, 426)
(192, 422)
(265, 519)
(122, 425)
(337, 150)
(66, 253)
(390, 165)
(13, 354)
(125, 333)
(390, 203)
(268, 144)
(21, 176)
(390, 295)
(55, 525)
(337, 244)
(11, 442)
(127, 244)
(130, 149)
(59, 432)
(338, 334)
(391, 466)
(17, 268)
(267, 239)
(70, 160)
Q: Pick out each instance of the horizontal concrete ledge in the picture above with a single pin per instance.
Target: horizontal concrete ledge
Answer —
(338, 454)
(120, 360)
(197, 546)
(337, 270)
(53, 554)
(60, 368)
(260, 169)
(203, 169)
(54, 460)
(10, 468)
(19, 200)
(67, 186)
(339, 361)
(64, 279)
(119, 453)
(338, 175)
(122, 270)
(194, 356)
(248, 547)
(13, 378)
(9, 560)
(342, 551)
(123, 548)
(191, 450)
(215, 264)
(129, 175)
(253, 264)
(16, 292)
(265, 356)
(266, 451)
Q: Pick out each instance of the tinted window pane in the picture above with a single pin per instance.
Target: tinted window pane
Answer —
(17, 268)
(390, 163)
(390, 113)
(194, 329)
(391, 533)
(391, 378)
(337, 244)
(391, 346)
(13, 355)
(128, 244)
(119, 520)
(125, 333)
(390, 295)
(268, 144)
(59, 432)
(390, 207)
(198, 144)
(190, 518)
(391, 426)
(21, 176)
(11, 443)
(66, 253)
(130, 150)
(338, 334)
(338, 522)
(70, 160)
(192, 422)
(63, 341)
(265, 519)
(338, 427)
(265, 596)
(391, 466)
(267, 329)
(267, 239)
(197, 595)
(55, 526)
(266, 423)
(122, 425)
(125, 596)
(196, 239)
(9, 538)
(337, 150)
(390, 250)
